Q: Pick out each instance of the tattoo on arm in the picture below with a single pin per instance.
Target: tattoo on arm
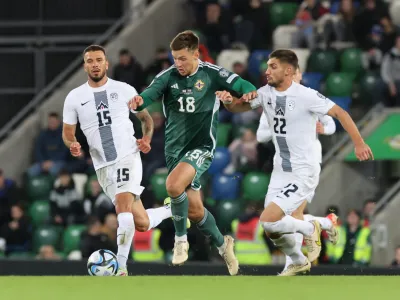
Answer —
(147, 123)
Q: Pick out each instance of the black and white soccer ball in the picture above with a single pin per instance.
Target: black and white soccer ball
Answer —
(102, 263)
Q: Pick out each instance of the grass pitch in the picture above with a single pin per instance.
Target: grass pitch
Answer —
(200, 288)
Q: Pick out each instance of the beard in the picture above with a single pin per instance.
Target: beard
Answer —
(275, 84)
(97, 78)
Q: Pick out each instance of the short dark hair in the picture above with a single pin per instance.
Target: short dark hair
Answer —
(185, 40)
(54, 115)
(124, 52)
(93, 48)
(355, 211)
(286, 56)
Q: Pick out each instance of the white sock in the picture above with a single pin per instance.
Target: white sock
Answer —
(289, 225)
(299, 243)
(125, 232)
(182, 238)
(157, 215)
(287, 244)
(326, 224)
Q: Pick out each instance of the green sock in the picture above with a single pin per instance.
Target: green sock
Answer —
(179, 208)
(208, 227)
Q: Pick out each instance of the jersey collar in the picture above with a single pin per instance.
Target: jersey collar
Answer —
(198, 66)
(100, 88)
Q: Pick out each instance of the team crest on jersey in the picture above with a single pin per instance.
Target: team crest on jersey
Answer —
(102, 106)
(291, 105)
(114, 96)
(199, 85)
(223, 73)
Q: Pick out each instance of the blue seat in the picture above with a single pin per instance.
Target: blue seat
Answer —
(255, 60)
(312, 80)
(171, 58)
(222, 157)
(226, 187)
(343, 102)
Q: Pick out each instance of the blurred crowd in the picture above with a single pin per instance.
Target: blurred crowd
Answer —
(60, 210)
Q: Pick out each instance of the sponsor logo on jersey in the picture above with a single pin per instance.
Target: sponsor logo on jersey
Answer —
(114, 96)
(291, 105)
(187, 91)
(279, 112)
(102, 106)
(224, 73)
(199, 85)
(175, 86)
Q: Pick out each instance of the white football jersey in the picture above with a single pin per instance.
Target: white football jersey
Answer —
(103, 114)
(292, 116)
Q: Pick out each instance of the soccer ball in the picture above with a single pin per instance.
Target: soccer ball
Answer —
(102, 263)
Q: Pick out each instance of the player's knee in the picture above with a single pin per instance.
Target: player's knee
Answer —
(142, 223)
(196, 215)
(174, 189)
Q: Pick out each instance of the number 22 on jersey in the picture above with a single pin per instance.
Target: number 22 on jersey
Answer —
(188, 105)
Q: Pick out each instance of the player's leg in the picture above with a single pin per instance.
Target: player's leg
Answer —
(177, 181)
(207, 225)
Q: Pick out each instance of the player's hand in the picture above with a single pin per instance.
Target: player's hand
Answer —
(249, 96)
(224, 96)
(135, 102)
(363, 152)
(320, 128)
(144, 144)
(75, 149)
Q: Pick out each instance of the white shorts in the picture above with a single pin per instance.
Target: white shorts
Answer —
(122, 177)
(288, 190)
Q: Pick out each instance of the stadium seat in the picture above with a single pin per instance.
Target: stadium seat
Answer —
(302, 55)
(255, 186)
(226, 212)
(72, 237)
(228, 57)
(312, 80)
(343, 102)
(322, 62)
(48, 235)
(157, 181)
(339, 85)
(394, 11)
(282, 36)
(222, 158)
(223, 134)
(39, 187)
(282, 13)
(255, 60)
(88, 189)
(40, 212)
(225, 186)
(80, 183)
(371, 88)
(351, 61)
(20, 255)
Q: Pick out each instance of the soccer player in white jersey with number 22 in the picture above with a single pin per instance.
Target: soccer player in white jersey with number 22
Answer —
(292, 110)
(101, 107)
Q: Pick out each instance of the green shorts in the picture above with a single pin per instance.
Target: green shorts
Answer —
(199, 159)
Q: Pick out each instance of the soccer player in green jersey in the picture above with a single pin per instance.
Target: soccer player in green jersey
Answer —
(191, 109)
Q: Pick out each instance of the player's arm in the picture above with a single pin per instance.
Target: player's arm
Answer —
(147, 129)
(231, 103)
(70, 118)
(322, 106)
(328, 126)
(264, 133)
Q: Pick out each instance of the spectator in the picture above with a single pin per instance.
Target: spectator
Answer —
(17, 232)
(368, 210)
(309, 12)
(50, 151)
(205, 55)
(240, 69)
(389, 33)
(396, 261)
(97, 203)
(244, 151)
(94, 239)
(153, 160)
(47, 252)
(66, 207)
(354, 246)
(129, 70)
(110, 227)
(160, 63)
(8, 197)
(390, 72)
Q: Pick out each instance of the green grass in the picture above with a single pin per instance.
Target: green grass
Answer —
(200, 288)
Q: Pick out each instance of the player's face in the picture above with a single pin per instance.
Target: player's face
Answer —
(277, 72)
(96, 65)
(185, 61)
(297, 76)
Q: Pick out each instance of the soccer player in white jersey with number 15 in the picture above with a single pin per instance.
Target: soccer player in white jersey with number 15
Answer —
(292, 111)
(101, 107)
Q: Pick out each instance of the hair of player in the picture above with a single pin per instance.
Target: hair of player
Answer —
(185, 40)
(286, 56)
(93, 48)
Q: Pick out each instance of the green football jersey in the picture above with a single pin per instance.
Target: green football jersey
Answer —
(190, 106)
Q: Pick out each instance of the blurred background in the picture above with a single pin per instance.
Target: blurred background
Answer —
(51, 205)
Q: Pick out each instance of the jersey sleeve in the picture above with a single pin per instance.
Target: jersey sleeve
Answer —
(156, 89)
(329, 124)
(262, 97)
(264, 133)
(70, 115)
(318, 103)
(130, 92)
(224, 79)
